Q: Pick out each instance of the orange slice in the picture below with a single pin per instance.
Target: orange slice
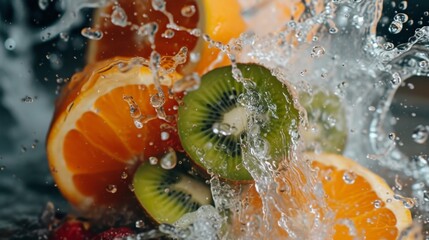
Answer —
(364, 206)
(220, 19)
(95, 143)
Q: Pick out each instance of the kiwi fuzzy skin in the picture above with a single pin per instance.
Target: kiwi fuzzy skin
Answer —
(282, 118)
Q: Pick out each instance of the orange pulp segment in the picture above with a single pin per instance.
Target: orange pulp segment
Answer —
(94, 144)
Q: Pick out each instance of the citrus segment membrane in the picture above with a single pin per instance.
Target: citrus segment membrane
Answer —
(97, 139)
(213, 120)
(167, 195)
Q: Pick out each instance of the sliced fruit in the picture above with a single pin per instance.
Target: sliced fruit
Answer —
(327, 122)
(103, 126)
(213, 120)
(129, 37)
(362, 202)
(166, 195)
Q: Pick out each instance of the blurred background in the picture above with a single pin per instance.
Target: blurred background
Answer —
(40, 49)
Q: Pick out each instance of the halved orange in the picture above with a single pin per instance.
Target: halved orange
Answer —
(362, 202)
(220, 19)
(103, 126)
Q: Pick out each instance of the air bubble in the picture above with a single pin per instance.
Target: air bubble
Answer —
(401, 17)
(188, 11)
(426, 196)
(388, 46)
(124, 175)
(92, 34)
(349, 177)
(223, 129)
(420, 134)
(119, 17)
(111, 188)
(392, 136)
(403, 5)
(317, 51)
(395, 27)
(2, 168)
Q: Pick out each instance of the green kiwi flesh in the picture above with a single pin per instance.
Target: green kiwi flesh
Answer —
(218, 102)
(166, 195)
(327, 115)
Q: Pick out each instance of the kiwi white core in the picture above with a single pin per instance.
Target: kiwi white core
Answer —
(234, 122)
(189, 185)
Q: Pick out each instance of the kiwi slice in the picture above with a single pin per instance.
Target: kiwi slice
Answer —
(213, 122)
(166, 195)
(327, 116)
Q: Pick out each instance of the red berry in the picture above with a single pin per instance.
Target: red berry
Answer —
(113, 233)
(72, 230)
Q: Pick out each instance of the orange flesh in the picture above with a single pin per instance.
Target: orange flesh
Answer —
(353, 202)
(139, 13)
(356, 202)
(105, 142)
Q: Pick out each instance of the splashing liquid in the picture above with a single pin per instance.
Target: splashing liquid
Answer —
(330, 45)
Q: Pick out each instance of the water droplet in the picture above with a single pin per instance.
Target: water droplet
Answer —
(2, 168)
(398, 184)
(124, 175)
(43, 4)
(138, 124)
(396, 79)
(349, 177)
(401, 17)
(169, 160)
(158, 5)
(10, 44)
(408, 203)
(140, 224)
(111, 188)
(153, 160)
(119, 17)
(420, 134)
(371, 108)
(377, 204)
(92, 34)
(64, 36)
(157, 100)
(317, 51)
(423, 64)
(27, 99)
(169, 33)
(165, 136)
(333, 30)
(188, 11)
(392, 136)
(426, 196)
(388, 46)
(403, 5)
(395, 27)
(223, 129)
